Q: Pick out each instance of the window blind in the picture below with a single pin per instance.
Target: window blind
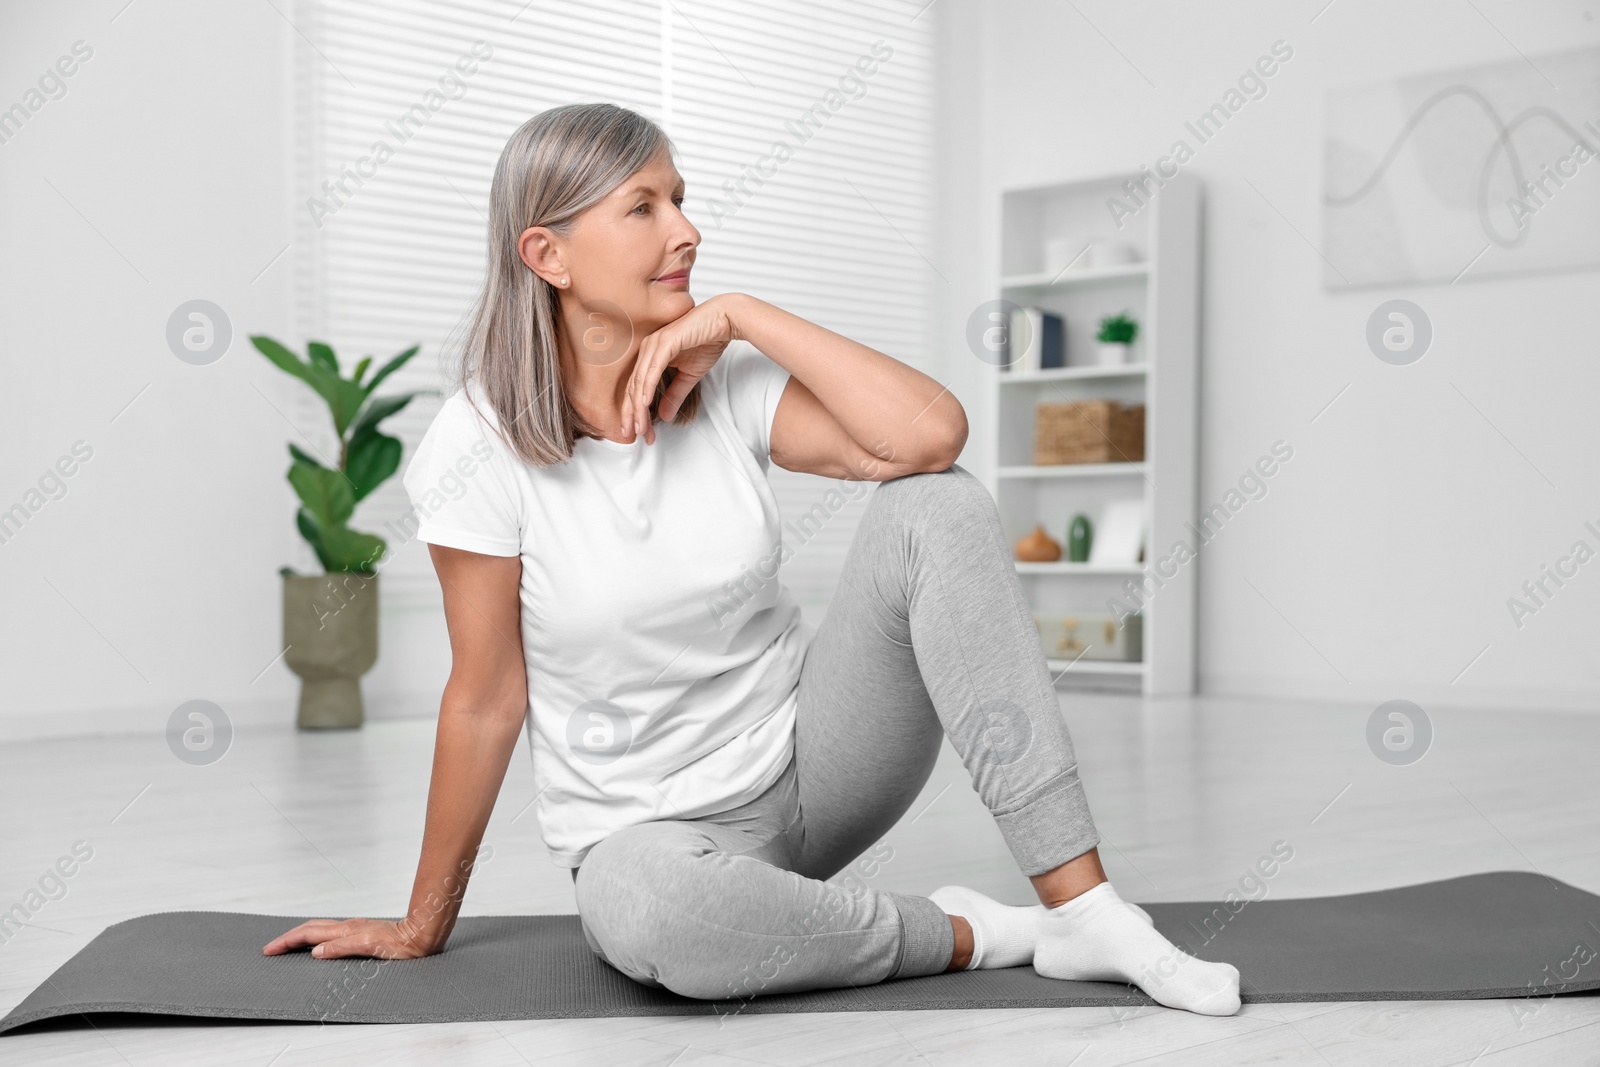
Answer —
(833, 226)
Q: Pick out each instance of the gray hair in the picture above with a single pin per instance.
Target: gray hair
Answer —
(556, 165)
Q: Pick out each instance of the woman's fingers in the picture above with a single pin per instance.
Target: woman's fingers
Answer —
(674, 395)
(636, 396)
(377, 938)
(643, 385)
(334, 939)
(355, 945)
(310, 932)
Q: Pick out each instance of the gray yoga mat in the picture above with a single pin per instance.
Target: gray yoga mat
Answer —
(1501, 934)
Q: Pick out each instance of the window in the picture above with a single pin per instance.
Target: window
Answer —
(389, 245)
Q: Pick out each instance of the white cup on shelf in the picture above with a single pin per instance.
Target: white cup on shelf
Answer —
(1060, 251)
(1111, 254)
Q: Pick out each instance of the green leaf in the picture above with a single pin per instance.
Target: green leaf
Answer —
(322, 355)
(390, 367)
(372, 458)
(380, 409)
(311, 530)
(361, 368)
(282, 357)
(1117, 329)
(325, 493)
(351, 550)
(344, 397)
(302, 456)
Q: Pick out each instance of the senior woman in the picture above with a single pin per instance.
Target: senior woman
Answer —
(596, 504)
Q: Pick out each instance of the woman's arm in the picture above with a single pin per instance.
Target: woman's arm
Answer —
(849, 411)
(480, 717)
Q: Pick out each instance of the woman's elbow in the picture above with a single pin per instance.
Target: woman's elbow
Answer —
(946, 438)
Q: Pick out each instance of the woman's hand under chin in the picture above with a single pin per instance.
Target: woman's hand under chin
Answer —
(690, 344)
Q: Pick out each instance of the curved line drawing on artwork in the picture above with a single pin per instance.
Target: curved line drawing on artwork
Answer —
(1502, 141)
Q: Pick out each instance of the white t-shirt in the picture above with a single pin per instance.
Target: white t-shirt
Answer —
(662, 651)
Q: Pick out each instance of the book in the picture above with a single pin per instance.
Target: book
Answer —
(1037, 340)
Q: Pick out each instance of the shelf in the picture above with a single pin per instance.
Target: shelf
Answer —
(1079, 568)
(1077, 277)
(1073, 470)
(1073, 374)
(1162, 292)
(1093, 666)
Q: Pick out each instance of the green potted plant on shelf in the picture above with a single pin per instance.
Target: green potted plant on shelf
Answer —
(330, 620)
(1116, 336)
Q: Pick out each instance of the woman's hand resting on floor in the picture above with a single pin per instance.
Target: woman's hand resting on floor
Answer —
(336, 938)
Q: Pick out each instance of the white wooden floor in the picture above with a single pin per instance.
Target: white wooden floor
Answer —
(1187, 795)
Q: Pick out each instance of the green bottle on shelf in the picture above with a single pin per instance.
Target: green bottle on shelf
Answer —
(1079, 535)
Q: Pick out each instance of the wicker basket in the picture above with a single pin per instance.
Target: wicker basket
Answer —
(1088, 431)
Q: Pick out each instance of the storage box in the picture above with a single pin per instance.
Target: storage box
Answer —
(1091, 635)
(1088, 431)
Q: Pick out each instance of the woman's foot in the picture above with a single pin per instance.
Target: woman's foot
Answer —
(1003, 935)
(1097, 937)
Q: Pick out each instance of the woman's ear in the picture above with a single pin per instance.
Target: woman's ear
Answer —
(540, 255)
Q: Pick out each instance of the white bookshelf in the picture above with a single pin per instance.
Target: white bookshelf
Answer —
(1161, 292)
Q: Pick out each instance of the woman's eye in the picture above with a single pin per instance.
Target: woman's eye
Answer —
(636, 210)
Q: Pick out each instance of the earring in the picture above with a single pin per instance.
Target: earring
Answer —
(563, 279)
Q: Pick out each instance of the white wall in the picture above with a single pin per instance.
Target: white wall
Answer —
(161, 176)
(153, 580)
(1390, 542)
(1380, 563)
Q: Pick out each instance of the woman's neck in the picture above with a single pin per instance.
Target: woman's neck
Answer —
(597, 390)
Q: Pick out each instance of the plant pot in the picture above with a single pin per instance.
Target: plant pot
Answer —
(1113, 353)
(330, 632)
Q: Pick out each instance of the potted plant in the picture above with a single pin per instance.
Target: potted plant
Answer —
(1116, 338)
(330, 620)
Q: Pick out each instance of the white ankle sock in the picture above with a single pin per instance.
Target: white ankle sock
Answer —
(1097, 937)
(1003, 934)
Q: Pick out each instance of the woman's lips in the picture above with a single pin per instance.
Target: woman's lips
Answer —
(675, 276)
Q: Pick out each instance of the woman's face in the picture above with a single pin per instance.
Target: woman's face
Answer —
(627, 261)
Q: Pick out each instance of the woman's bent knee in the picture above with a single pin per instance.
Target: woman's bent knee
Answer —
(944, 497)
(641, 897)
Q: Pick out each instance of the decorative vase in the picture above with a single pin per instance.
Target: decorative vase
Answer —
(1079, 537)
(1037, 547)
(1113, 353)
(330, 634)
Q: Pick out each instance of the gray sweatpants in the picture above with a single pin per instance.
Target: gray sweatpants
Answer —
(929, 635)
